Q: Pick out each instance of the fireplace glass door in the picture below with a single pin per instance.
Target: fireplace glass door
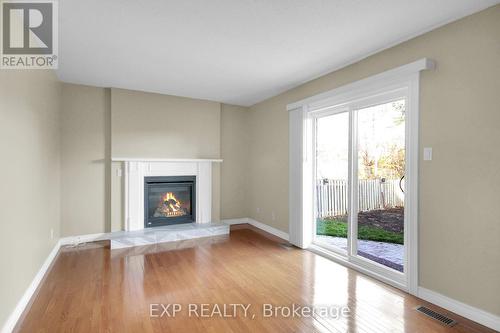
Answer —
(169, 200)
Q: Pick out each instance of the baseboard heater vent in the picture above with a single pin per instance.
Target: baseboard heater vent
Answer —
(437, 316)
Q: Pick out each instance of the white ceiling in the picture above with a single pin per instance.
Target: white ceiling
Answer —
(238, 52)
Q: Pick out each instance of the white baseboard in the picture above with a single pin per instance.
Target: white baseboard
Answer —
(28, 294)
(74, 240)
(480, 316)
(260, 225)
(241, 220)
(269, 229)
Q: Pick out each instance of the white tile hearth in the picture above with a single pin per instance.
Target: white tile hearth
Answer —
(169, 246)
(171, 233)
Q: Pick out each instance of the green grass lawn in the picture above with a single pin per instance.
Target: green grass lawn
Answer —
(337, 228)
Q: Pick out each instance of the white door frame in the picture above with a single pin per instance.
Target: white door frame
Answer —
(301, 199)
(351, 253)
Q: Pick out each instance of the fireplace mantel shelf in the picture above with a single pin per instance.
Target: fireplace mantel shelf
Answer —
(134, 159)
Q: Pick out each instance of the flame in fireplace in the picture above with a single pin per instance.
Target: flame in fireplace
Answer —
(170, 206)
(169, 196)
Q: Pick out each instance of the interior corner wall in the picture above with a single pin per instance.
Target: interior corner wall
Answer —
(98, 124)
(29, 178)
(85, 163)
(459, 232)
(236, 155)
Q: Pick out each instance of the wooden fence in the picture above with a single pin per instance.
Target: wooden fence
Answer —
(332, 195)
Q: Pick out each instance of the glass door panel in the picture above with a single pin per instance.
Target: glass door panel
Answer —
(380, 183)
(331, 181)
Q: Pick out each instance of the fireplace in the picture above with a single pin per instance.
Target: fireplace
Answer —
(169, 200)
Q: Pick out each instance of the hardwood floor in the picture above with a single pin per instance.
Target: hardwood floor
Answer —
(91, 289)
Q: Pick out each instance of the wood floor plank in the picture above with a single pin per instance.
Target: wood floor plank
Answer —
(93, 289)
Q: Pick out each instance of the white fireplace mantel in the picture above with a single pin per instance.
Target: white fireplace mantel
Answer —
(135, 169)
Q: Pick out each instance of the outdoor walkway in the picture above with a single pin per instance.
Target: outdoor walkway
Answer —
(388, 254)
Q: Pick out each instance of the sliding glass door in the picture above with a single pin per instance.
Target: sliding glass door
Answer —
(359, 181)
(380, 183)
(332, 176)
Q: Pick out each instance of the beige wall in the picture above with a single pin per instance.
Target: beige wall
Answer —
(29, 178)
(162, 126)
(459, 115)
(268, 165)
(85, 153)
(236, 156)
(98, 123)
(155, 125)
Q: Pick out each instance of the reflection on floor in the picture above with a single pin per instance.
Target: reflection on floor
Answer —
(91, 288)
(387, 254)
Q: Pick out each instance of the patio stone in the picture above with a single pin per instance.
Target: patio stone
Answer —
(388, 254)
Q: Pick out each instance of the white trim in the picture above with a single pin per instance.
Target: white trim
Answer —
(145, 159)
(480, 316)
(412, 185)
(379, 93)
(269, 229)
(75, 240)
(352, 205)
(260, 225)
(295, 172)
(30, 292)
(398, 82)
(241, 220)
(386, 76)
(308, 185)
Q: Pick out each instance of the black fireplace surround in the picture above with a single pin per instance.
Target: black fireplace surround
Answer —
(169, 200)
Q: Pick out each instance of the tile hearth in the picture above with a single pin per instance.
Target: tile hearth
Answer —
(171, 233)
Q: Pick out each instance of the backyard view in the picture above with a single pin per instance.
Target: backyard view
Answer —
(375, 225)
(380, 182)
